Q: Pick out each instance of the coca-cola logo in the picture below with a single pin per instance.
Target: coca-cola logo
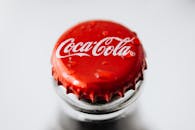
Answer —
(103, 47)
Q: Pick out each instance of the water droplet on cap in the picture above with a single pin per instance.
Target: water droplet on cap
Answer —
(105, 33)
(104, 62)
(103, 74)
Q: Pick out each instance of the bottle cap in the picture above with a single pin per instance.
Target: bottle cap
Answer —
(98, 60)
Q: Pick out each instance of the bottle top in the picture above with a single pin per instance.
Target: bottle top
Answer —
(98, 60)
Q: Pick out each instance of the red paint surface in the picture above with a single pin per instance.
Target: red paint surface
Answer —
(100, 77)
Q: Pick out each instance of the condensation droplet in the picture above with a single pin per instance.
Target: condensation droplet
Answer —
(97, 75)
(82, 27)
(73, 63)
(103, 74)
(104, 62)
(119, 32)
(105, 33)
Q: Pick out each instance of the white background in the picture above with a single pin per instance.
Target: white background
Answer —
(29, 30)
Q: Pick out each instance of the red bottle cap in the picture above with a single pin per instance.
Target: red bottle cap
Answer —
(97, 60)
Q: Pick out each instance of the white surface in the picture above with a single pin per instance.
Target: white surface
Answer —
(29, 30)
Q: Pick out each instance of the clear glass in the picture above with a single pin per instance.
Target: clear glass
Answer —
(86, 111)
